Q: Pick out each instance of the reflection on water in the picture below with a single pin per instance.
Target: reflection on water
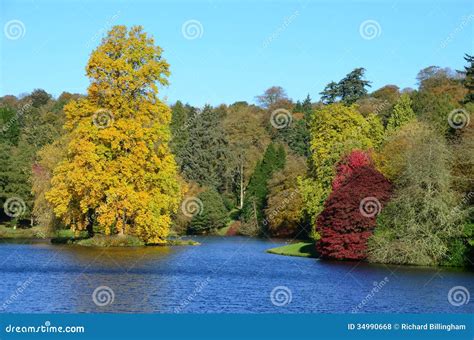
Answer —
(222, 275)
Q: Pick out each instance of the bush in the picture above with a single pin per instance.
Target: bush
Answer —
(349, 214)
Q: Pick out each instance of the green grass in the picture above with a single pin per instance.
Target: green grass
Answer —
(35, 232)
(111, 241)
(302, 249)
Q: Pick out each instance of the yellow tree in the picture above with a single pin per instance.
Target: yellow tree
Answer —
(119, 173)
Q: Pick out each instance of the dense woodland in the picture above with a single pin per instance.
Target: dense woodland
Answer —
(380, 174)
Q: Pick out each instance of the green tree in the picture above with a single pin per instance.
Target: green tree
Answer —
(421, 221)
(353, 86)
(213, 215)
(331, 93)
(179, 127)
(257, 190)
(402, 113)
(205, 157)
(468, 80)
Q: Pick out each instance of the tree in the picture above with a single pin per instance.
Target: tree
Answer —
(205, 157)
(353, 87)
(284, 210)
(331, 93)
(179, 130)
(119, 172)
(402, 113)
(335, 131)
(468, 80)
(421, 221)
(257, 190)
(349, 214)
(213, 215)
(247, 140)
(272, 96)
(39, 97)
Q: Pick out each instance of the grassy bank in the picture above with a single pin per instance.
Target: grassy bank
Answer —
(35, 232)
(301, 249)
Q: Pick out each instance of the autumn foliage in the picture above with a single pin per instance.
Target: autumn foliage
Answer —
(350, 212)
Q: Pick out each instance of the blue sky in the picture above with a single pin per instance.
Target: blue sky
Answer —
(241, 47)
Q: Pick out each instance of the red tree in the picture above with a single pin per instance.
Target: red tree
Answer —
(350, 212)
(345, 168)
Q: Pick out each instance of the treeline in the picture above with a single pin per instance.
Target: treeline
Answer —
(384, 175)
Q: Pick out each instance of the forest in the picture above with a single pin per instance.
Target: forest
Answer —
(383, 175)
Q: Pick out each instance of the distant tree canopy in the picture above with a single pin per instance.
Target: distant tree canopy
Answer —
(351, 88)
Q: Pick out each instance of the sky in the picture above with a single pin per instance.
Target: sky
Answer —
(227, 51)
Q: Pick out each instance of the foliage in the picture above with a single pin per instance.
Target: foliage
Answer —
(402, 113)
(257, 190)
(205, 157)
(119, 172)
(349, 214)
(247, 140)
(468, 80)
(272, 96)
(420, 222)
(213, 215)
(283, 213)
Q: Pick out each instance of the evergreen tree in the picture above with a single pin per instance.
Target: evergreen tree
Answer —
(205, 158)
(331, 93)
(257, 190)
(179, 130)
(468, 81)
(353, 87)
(213, 215)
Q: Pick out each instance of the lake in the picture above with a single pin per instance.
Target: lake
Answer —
(223, 275)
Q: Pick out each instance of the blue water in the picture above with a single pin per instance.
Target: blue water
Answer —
(223, 275)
